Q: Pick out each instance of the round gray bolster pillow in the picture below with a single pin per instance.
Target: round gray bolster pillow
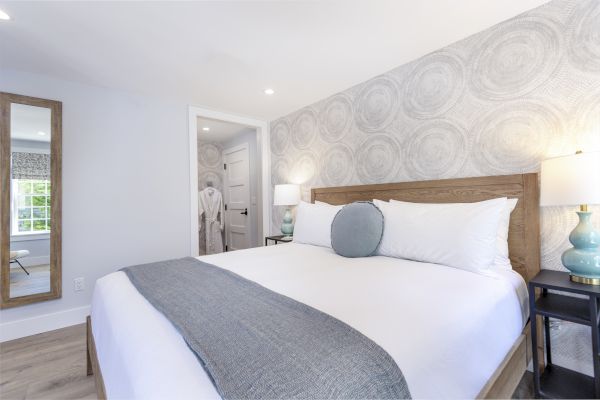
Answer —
(357, 229)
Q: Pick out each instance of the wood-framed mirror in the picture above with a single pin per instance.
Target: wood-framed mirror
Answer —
(30, 199)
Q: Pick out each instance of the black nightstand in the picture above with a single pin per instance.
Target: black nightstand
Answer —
(277, 239)
(554, 381)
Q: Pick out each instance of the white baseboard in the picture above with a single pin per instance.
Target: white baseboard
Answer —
(43, 323)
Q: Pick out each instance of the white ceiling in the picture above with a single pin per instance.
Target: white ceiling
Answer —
(219, 131)
(30, 123)
(223, 54)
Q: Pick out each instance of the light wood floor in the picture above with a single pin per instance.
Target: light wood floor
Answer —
(21, 284)
(52, 365)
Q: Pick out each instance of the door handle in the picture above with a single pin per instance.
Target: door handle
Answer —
(245, 212)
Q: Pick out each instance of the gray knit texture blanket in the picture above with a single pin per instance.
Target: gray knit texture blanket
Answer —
(258, 344)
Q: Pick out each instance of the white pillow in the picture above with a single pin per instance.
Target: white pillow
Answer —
(501, 259)
(460, 235)
(313, 223)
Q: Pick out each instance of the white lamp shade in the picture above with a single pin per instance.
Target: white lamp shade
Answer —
(286, 195)
(571, 180)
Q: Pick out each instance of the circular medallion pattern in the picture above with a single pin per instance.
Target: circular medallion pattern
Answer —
(280, 136)
(209, 155)
(277, 218)
(437, 149)
(435, 84)
(586, 124)
(337, 165)
(516, 58)
(584, 36)
(335, 118)
(304, 128)
(279, 171)
(304, 169)
(211, 176)
(376, 104)
(515, 137)
(556, 223)
(377, 159)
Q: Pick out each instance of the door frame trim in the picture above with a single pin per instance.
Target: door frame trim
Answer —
(264, 154)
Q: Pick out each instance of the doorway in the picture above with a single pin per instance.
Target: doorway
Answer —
(228, 212)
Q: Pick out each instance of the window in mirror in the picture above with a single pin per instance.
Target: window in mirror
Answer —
(31, 199)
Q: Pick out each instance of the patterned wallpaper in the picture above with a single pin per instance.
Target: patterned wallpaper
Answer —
(210, 164)
(495, 103)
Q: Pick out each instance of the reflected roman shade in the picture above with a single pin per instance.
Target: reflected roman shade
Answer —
(30, 166)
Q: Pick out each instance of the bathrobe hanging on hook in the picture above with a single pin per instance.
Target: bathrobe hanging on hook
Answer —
(210, 205)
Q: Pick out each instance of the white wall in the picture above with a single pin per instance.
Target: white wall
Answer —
(249, 137)
(125, 190)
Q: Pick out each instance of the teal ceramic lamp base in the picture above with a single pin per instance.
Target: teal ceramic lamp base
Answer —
(583, 259)
(287, 226)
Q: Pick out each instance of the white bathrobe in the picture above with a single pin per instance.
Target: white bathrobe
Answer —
(210, 204)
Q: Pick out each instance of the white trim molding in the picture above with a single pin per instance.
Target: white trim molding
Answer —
(264, 154)
(43, 323)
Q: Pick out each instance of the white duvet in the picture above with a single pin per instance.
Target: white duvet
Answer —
(446, 328)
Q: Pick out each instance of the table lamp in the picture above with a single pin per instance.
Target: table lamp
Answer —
(287, 195)
(575, 180)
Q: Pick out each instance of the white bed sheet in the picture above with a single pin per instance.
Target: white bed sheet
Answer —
(446, 328)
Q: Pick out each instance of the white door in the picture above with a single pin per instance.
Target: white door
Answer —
(237, 197)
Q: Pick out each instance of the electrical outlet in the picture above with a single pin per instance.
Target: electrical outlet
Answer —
(79, 284)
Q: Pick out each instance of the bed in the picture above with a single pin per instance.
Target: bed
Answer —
(447, 345)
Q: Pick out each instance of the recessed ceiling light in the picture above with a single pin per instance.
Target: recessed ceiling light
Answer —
(4, 15)
(269, 91)
(41, 133)
(206, 129)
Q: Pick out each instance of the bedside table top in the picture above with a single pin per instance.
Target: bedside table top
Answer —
(279, 237)
(559, 280)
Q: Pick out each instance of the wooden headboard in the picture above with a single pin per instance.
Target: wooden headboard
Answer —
(524, 231)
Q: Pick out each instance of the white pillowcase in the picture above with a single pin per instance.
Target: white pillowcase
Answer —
(501, 260)
(313, 223)
(460, 235)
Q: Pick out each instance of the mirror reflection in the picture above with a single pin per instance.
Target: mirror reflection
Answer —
(30, 222)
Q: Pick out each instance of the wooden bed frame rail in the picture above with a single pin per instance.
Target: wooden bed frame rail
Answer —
(504, 381)
(93, 367)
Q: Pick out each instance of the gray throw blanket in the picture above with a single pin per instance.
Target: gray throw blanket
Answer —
(257, 344)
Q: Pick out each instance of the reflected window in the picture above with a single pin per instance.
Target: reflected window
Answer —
(31, 200)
